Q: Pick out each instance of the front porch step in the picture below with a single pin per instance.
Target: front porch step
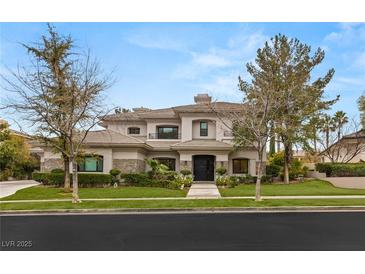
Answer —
(203, 182)
(203, 190)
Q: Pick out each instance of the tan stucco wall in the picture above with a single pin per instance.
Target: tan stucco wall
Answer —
(122, 127)
(211, 129)
(247, 154)
(153, 123)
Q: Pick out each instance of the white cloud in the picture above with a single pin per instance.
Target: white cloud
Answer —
(348, 34)
(210, 59)
(239, 50)
(155, 40)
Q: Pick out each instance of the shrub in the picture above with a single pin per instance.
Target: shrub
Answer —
(221, 171)
(135, 178)
(277, 159)
(84, 179)
(341, 169)
(183, 180)
(143, 179)
(47, 178)
(94, 179)
(57, 170)
(273, 170)
(5, 174)
(115, 172)
(232, 183)
(222, 180)
(245, 179)
(266, 179)
(185, 172)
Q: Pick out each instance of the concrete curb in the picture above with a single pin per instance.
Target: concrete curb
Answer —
(191, 198)
(284, 209)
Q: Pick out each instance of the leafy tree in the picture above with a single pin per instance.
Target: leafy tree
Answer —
(15, 158)
(285, 66)
(59, 96)
(361, 103)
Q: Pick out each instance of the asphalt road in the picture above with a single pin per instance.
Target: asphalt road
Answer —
(198, 231)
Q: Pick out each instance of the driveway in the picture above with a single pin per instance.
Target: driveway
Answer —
(347, 182)
(10, 187)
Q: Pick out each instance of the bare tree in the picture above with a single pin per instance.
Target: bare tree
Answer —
(60, 97)
(343, 149)
(251, 125)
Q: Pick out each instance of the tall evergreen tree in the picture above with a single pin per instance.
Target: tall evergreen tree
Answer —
(286, 66)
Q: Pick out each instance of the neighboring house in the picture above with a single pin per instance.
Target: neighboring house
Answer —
(183, 137)
(350, 149)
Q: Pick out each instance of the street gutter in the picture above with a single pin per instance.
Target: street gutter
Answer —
(208, 210)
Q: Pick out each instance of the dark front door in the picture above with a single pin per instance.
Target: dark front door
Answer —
(203, 168)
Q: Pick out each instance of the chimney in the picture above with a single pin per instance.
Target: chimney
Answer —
(202, 98)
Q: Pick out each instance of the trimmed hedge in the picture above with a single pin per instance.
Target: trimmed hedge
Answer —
(143, 179)
(85, 179)
(342, 170)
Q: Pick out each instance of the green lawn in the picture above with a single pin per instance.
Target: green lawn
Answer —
(217, 203)
(42, 192)
(312, 187)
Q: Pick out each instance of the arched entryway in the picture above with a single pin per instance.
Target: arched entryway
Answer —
(203, 167)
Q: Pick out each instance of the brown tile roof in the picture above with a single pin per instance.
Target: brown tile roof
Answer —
(110, 137)
(167, 113)
(215, 106)
(355, 135)
(172, 113)
(203, 144)
(161, 145)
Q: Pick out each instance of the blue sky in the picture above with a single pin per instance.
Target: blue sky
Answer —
(165, 64)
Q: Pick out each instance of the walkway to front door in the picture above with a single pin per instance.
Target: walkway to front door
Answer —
(203, 190)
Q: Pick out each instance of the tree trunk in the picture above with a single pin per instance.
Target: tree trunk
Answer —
(258, 182)
(75, 183)
(315, 141)
(277, 144)
(67, 184)
(272, 145)
(287, 151)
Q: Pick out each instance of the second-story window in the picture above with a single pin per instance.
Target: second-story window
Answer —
(203, 128)
(167, 132)
(134, 130)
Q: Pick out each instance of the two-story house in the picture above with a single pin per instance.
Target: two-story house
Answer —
(190, 137)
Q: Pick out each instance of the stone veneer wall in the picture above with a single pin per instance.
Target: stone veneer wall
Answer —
(187, 166)
(222, 164)
(50, 164)
(129, 165)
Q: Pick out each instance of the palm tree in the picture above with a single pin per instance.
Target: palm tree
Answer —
(327, 126)
(339, 120)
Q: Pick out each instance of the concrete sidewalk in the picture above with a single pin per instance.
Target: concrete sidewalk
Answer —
(203, 190)
(10, 187)
(197, 197)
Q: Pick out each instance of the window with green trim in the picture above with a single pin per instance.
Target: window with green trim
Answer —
(91, 164)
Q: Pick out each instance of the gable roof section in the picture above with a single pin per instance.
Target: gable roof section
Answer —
(172, 113)
(216, 106)
(202, 144)
(110, 137)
